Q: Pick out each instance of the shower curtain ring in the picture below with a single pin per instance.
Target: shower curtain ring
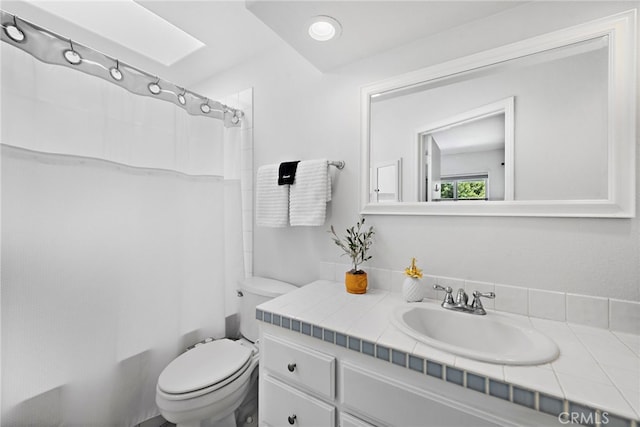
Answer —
(181, 96)
(154, 88)
(14, 32)
(205, 108)
(71, 55)
(115, 72)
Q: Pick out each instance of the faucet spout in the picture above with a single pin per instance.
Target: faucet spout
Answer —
(462, 299)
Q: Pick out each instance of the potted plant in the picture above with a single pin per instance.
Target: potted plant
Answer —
(355, 243)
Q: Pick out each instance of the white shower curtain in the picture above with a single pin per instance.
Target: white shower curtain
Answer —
(117, 225)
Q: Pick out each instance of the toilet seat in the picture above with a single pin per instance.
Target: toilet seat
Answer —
(219, 363)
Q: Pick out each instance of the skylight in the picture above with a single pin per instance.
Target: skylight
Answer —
(129, 24)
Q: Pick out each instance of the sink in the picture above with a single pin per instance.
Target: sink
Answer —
(494, 338)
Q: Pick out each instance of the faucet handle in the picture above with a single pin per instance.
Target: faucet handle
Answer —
(489, 295)
(448, 297)
(442, 288)
(476, 305)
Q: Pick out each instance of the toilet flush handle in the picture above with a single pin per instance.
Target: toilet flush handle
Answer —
(291, 367)
(292, 419)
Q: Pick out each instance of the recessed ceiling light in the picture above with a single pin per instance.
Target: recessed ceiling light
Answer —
(324, 28)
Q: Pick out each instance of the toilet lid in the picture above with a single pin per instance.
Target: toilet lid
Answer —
(203, 366)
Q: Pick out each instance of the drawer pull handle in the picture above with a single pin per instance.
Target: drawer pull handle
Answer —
(291, 367)
(292, 419)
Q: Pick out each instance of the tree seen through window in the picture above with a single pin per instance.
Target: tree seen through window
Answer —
(464, 189)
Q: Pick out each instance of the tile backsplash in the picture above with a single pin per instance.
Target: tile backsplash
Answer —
(599, 312)
(547, 304)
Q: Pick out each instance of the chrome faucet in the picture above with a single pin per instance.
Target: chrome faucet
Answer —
(462, 299)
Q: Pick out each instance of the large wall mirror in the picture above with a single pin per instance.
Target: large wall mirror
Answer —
(542, 127)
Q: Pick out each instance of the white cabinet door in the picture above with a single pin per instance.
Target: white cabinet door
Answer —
(283, 406)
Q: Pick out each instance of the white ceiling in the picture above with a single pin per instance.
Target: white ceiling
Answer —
(368, 27)
(233, 33)
(477, 135)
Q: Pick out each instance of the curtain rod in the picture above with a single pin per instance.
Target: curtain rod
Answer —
(52, 48)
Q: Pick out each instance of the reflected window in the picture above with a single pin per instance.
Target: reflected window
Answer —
(464, 187)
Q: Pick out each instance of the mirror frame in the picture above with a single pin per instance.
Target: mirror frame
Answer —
(620, 203)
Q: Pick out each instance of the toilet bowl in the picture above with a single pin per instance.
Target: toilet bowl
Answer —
(205, 385)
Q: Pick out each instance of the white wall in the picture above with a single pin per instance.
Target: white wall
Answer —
(302, 113)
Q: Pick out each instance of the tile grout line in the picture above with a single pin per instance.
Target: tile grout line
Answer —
(622, 394)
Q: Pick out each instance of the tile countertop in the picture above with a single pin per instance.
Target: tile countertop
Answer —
(598, 368)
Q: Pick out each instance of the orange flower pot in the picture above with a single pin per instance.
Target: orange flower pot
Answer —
(355, 283)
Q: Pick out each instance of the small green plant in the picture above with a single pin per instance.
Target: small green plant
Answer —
(355, 243)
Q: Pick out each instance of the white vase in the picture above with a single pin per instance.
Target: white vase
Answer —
(412, 289)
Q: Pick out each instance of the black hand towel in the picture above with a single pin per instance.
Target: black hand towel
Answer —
(287, 172)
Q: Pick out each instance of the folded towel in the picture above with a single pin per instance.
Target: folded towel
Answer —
(272, 200)
(310, 193)
(287, 172)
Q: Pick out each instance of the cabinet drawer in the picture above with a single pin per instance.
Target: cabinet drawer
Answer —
(284, 406)
(299, 365)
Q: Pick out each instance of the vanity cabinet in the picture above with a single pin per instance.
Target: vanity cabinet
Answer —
(306, 381)
(290, 375)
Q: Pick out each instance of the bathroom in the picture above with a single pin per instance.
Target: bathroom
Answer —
(78, 355)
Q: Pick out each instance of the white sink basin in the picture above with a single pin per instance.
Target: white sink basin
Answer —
(493, 338)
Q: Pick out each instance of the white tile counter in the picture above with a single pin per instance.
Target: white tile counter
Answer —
(597, 370)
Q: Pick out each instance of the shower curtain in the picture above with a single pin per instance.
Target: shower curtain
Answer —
(117, 224)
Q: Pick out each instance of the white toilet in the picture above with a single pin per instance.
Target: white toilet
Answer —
(205, 385)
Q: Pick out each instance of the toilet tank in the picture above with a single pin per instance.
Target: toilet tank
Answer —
(254, 291)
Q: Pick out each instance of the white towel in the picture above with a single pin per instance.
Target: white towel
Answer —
(310, 193)
(272, 200)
